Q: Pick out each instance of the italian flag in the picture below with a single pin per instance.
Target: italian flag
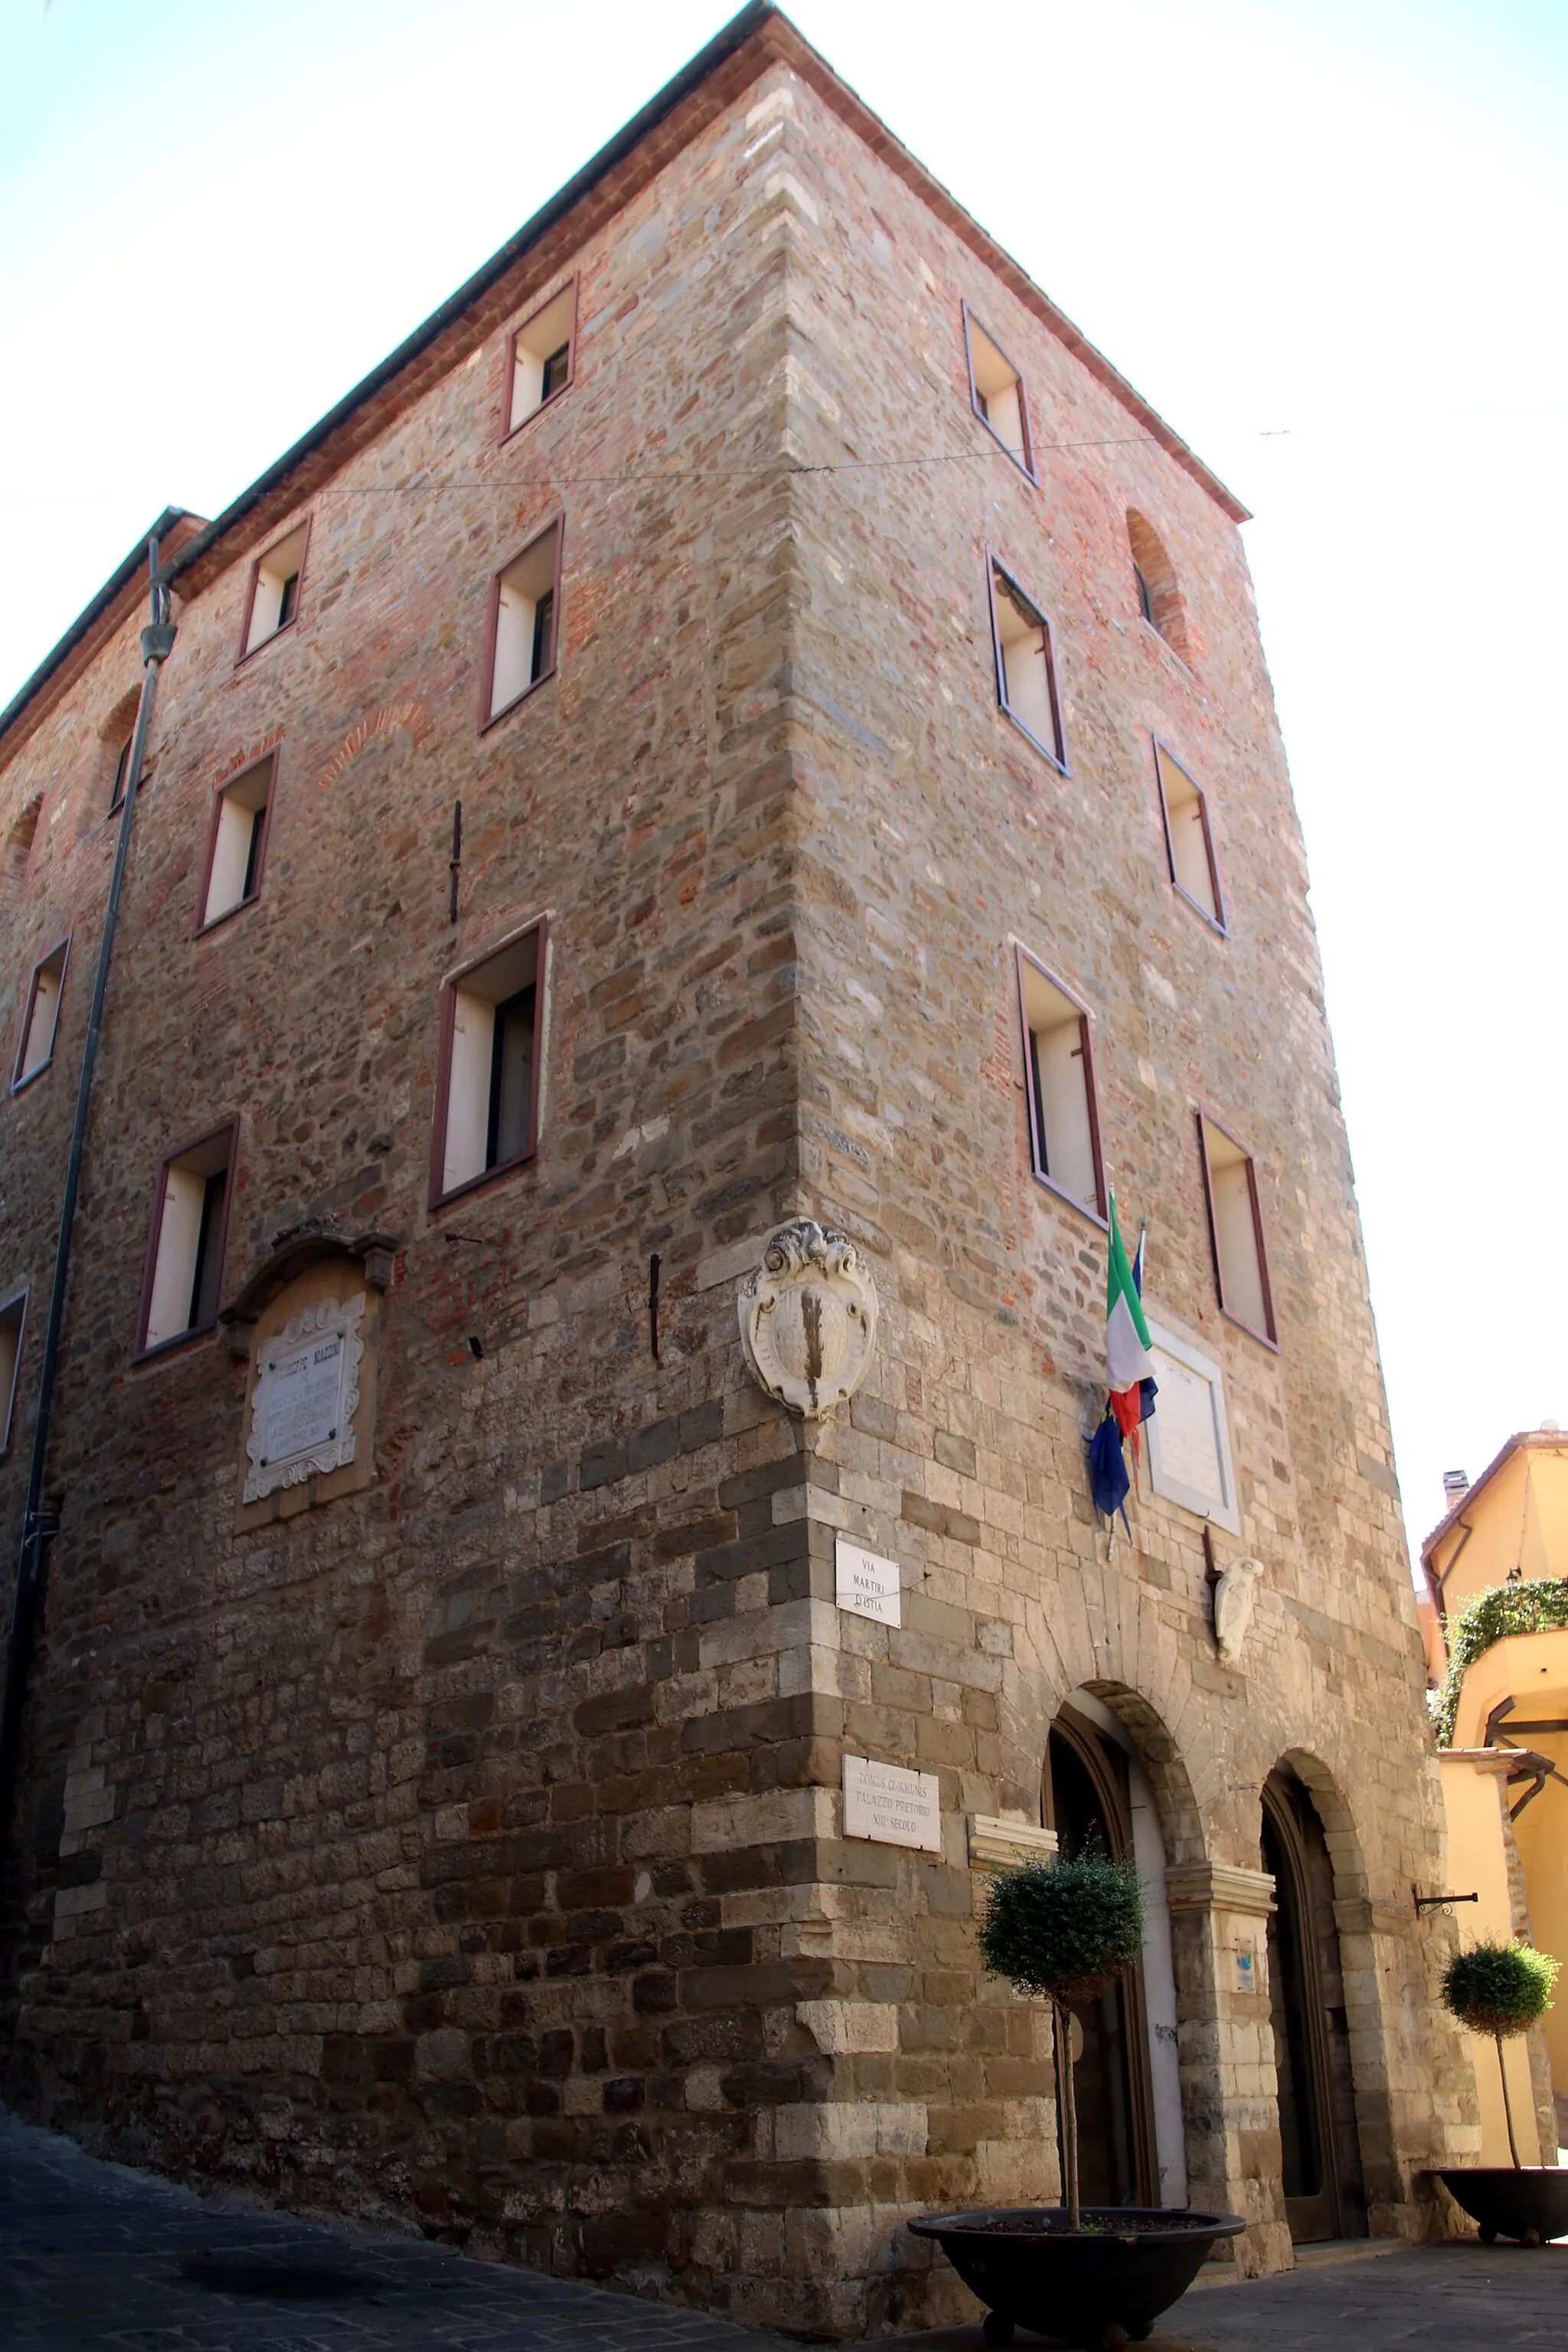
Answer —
(1127, 1343)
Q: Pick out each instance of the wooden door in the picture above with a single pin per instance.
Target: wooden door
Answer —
(1088, 1799)
(1319, 2144)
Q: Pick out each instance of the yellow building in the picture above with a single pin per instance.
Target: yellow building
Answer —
(1497, 1649)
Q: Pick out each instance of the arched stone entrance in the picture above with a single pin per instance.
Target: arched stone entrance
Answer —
(1324, 2192)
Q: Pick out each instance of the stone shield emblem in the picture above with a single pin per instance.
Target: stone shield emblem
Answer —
(808, 1318)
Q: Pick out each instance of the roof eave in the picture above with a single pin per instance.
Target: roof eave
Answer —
(98, 620)
(760, 36)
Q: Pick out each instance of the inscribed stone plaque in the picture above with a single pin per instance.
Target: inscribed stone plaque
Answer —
(869, 1586)
(303, 1396)
(306, 1388)
(1189, 1444)
(885, 1802)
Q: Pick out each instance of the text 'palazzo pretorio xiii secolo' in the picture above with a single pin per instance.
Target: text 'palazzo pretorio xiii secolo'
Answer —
(685, 836)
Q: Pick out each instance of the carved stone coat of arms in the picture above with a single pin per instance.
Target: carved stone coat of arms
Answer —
(808, 1318)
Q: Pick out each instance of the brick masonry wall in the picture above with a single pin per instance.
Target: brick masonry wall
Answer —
(469, 1846)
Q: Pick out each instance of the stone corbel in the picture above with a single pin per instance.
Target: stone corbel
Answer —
(996, 1845)
(1362, 1915)
(1219, 1887)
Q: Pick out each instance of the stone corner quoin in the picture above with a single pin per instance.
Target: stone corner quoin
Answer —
(456, 1829)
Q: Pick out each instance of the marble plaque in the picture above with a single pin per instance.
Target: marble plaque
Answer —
(891, 1806)
(304, 1395)
(306, 1388)
(868, 1585)
(1189, 1443)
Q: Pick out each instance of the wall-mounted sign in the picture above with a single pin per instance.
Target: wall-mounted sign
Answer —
(1248, 1969)
(307, 1391)
(868, 1585)
(891, 1805)
(1189, 1440)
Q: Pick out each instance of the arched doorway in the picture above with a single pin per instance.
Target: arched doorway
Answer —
(1324, 2196)
(1087, 1801)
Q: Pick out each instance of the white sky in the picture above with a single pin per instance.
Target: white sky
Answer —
(1325, 237)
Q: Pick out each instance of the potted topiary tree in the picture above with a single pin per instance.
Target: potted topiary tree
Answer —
(1065, 1930)
(1498, 1990)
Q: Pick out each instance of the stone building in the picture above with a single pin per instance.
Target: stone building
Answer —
(433, 1786)
(1496, 1622)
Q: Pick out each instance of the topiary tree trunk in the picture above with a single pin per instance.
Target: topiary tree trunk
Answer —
(1061, 2024)
(1499, 1989)
(1066, 1930)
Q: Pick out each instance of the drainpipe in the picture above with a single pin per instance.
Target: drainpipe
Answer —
(40, 1518)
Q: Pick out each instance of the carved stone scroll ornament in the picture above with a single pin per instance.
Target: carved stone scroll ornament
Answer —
(808, 1318)
(1232, 1598)
(306, 1395)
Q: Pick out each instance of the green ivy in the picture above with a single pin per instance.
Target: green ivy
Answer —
(1526, 1608)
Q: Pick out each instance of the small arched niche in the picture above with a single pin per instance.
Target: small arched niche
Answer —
(307, 1325)
(20, 836)
(1160, 598)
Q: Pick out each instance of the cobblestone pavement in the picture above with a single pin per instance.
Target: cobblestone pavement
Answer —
(98, 2257)
(1460, 2298)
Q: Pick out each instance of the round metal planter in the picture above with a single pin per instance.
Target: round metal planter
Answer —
(1528, 2201)
(1102, 2287)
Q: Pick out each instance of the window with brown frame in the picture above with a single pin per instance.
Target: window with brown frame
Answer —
(184, 1248)
(13, 1321)
(275, 580)
(541, 359)
(1058, 1067)
(1025, 664)
(122, 771)
(35, 1050)
(996, 393)
(524, 624)
(1236, 1229)
(1159, 601)
(487, 1092)
(237, 844)
(1189, 837)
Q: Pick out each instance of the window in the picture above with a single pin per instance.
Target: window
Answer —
(13, 1316)
(541, 355)
(1236, 1229)
(112, 773)
(274, 588)
(1154, 581)
(1025, 665)
(523, 622)
(1059, 1065)
(37, 1045)
(488, 1089)
(1189, 843)
(237, 844)
(121, 770)
(185, 1252)
(996, 393)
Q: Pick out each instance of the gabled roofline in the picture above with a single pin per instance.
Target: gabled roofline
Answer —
(1529, 1441)
(759, 36)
